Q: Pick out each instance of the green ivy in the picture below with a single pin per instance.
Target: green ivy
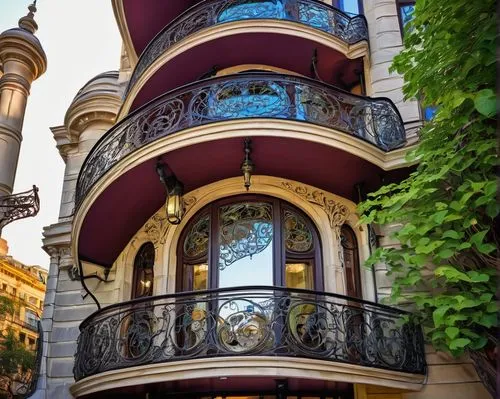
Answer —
(447, 263)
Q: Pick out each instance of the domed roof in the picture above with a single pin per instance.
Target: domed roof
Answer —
(101, 83)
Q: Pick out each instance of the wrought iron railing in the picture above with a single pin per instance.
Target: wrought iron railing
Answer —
(18, 206)
(241, 96)
(248, 321)
(208, 13)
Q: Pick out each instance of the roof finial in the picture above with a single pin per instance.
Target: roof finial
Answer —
(27, 22)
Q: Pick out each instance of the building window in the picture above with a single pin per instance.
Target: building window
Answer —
(251, 240)
(405, 12)
(351, 7)
(143, 271)
(33, 300)
(22, 337)
(350, 254)
(31, 318)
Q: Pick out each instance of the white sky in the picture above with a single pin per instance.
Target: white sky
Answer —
(81, 40)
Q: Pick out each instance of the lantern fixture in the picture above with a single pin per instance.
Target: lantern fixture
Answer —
(247, 165)
(175, 190)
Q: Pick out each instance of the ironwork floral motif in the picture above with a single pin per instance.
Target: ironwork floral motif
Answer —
(246, 95)
(265, 321)
(246, 229)
(19, 206)
(197, 240)
(209, 13)
(298, 236)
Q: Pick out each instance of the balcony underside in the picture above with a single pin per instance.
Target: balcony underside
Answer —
(308, 132)
(251, 42)
(180, 22)
(153, 11)
(314, 339)
(124, 205)
(171, 385)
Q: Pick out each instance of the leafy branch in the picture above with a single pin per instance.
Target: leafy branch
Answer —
(446, 264)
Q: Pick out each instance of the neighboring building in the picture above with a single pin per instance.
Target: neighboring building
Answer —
(25, 285)
(309, 85)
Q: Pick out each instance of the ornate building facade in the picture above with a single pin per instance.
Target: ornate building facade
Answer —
(208, 244)
(25, 285)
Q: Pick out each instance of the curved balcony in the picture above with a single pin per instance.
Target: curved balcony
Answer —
(244, 96)
(312, 13)
(248, 321)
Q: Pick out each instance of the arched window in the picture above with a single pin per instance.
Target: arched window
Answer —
(142, 284)
(249, 240)
(351, 261)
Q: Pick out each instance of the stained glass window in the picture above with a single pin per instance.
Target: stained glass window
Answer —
(255, 240)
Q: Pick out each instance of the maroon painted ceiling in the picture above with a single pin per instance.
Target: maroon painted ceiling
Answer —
(235, 386)
(127, 203)
(288, 52)
(146, 18)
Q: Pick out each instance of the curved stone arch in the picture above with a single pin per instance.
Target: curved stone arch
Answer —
(360, 49)
(265, 185)
(258, 67)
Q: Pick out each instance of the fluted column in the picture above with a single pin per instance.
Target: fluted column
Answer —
(23, 61)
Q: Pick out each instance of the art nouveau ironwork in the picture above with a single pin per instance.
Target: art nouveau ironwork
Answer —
(246, 95)
(298, 236)
(253, 321)
(246, 229)
(19, 206)
(197, 241)
(313, 13)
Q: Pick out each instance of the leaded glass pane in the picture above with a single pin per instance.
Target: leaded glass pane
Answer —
(197, 240)
(298, 236)
(245, 244)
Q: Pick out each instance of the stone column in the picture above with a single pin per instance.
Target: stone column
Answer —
(385, 43)
(23, 61)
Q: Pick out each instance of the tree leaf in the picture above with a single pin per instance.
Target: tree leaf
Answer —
(486, 102)
(459, 343)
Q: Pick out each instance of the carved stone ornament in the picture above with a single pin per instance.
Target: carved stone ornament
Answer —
(66, 263)
(157, 227)
(337, 213)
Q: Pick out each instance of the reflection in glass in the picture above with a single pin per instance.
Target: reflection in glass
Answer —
(298, 275)
(143, 271)
(237, 100)
(406, 12)
(251, 9)
(245, 245)
(200, 276)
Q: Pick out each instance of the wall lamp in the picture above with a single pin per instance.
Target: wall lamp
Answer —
(175, 190)
(247, 165)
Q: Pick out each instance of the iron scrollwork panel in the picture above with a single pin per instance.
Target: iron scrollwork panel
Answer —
(248, 321)
(309, 12)
(249, 95)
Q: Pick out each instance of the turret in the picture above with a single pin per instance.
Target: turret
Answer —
(22, 60)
